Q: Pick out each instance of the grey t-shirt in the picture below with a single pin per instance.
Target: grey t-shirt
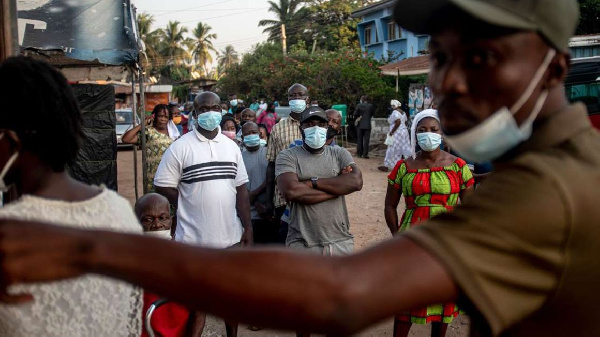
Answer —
(321, 223)
(256, 166)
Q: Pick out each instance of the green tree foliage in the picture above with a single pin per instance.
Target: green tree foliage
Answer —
(332, 77)
(288, 12)
(227, 58)
(589, 21)
(171, 52)
(202, 44)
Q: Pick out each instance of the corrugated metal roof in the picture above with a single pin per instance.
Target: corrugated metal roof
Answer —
(410, 66)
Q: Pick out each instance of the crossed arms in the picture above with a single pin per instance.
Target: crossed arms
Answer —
(294, 190)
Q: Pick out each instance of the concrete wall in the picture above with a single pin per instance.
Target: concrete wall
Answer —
(379, 128)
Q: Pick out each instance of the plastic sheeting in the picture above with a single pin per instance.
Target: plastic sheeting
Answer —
(88, 30)
(96, 162)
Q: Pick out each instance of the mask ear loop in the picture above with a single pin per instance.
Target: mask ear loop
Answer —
(537, 77)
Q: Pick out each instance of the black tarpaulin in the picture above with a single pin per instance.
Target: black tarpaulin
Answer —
(96, 162)
(90, 30)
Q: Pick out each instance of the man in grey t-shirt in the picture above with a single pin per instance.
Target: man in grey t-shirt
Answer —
(314, 179)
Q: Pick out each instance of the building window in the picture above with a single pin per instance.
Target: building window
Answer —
(368, 35)
(392, 30)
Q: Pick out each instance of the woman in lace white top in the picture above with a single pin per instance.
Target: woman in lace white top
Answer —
(34, 152)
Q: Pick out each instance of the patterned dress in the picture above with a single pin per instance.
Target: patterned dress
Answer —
(401, 146)
(427, 193)
(156, 145)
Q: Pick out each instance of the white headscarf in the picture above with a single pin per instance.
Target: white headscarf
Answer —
(395, 103)
(427, 113)
(173, 131)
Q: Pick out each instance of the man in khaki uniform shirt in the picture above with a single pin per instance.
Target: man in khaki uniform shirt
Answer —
(520, 254)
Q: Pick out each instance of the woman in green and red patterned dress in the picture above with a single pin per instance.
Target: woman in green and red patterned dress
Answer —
(432, 182)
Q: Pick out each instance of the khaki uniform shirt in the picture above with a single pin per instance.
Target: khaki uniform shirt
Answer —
(282, 135)
(524, 249)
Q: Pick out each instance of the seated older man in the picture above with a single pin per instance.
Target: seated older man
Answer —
(170, 319)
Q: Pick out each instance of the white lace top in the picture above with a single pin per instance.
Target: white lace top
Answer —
(85, 306)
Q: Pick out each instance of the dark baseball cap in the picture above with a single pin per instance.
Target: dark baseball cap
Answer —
(555, 20)
(313, 112)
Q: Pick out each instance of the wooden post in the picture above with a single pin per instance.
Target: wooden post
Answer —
(134, 112)
(8, 24)
(397, 77)
(283, 39)
(143, 131)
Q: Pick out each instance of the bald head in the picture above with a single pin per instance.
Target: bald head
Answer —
(298, 91)
(249, 127)
(206, 99)
(148, 201)
(248, 115)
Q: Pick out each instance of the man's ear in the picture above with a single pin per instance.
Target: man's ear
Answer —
(558, 70)
(14, 140)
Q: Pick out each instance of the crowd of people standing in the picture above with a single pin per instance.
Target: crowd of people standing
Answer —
(514, 254)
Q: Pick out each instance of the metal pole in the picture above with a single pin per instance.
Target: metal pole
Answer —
(143, 131)
(9, 45)
(134, 112)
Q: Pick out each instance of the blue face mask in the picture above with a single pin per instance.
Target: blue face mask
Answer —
(315, 137)
(223, 112)
(297, 105)
(252, 140)
(429, 141)
(233, 102)
(263, 142)
(209, 120)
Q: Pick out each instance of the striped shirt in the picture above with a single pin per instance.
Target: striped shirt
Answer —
(283, 134)
(206, 172)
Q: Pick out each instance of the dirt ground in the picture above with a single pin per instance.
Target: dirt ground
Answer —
(367, 225)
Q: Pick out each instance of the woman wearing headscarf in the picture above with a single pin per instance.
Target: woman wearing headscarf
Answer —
(401, 146)
(34, 154)
(432, 181)
(160, 133)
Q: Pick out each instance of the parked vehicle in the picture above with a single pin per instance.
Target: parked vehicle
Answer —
(282, 111)
(124, 124)
(583, 85)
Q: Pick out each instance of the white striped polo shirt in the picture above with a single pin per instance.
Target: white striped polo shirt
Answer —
(206, 173)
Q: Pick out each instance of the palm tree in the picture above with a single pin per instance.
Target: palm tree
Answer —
(202, 44)
(289, 16)
(150, 38)
(172, 44)
(227, 58)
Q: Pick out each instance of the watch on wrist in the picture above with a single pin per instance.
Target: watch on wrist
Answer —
(313, 180)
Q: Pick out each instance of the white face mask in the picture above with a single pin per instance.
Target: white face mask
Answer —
(11, 160)
(499, 133)
(162, 234)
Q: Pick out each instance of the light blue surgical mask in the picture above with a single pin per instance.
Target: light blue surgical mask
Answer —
(429, 141)
(252, 140)
(209, 120)
(223, 112)
(500, 132)
(263, 142)
(233, 102)
(297, 105)
(315, 137)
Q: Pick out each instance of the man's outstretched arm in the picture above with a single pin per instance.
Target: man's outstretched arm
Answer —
(274, 288)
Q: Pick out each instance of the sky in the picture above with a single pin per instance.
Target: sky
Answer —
(234, 21)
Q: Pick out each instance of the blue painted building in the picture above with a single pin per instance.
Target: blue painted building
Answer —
(585, 46)
(380, 35)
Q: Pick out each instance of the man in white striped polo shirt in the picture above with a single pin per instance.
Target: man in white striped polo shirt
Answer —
(204, 176)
